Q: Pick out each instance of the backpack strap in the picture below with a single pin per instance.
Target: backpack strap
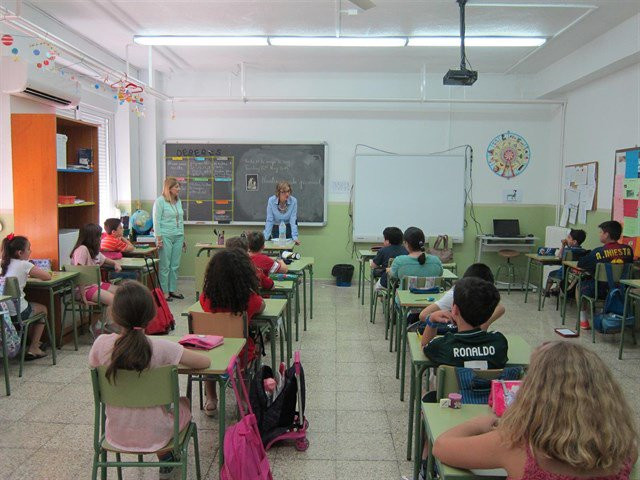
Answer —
(609, 271)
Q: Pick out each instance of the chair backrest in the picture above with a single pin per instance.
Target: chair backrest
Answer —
(149, 388)
(419, 282)
(448, 381)
(87, 274)
(567, 255)
(229, 325)
(617, 270)
(12, 289)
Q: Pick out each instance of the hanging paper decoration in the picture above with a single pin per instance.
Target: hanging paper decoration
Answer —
(14, 50)
(7, 40)
(36, 52)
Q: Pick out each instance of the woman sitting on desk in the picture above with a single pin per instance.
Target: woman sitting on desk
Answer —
(282, 207)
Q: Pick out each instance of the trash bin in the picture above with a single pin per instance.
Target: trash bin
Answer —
(343, 273)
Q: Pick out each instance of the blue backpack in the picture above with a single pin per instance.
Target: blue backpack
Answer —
(610, 320)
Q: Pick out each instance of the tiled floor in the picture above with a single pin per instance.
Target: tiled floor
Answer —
(357, 422)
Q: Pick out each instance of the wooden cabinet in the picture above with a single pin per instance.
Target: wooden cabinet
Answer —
(37, 182)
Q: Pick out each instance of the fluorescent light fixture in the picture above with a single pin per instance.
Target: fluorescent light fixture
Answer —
(338, 41)
(476, 41)
(200, 40)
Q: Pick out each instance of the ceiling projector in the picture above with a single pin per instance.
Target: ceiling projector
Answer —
(460, 77)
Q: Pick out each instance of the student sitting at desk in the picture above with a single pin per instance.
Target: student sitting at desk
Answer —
(416, 263)
(440, 311)
(569, 421)
(610, 252)
(230, 285)
(474, 302)
(241, 243)
(263, 262)
(112, 239)
(392, 248)
(573, 243)
(16, 251)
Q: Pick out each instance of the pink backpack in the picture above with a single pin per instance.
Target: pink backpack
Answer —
(244, 454)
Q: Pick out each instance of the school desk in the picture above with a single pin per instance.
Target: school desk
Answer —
(490, 243)
(61, 282)
(287, 288)
(270, 246)
(408, 301)
(540, 261)
(631, 292)
(519, 353)
(136, 264)
(364, 255)
(141, 252)
(5, 357)
(302, 265)
(273, 310)
(220, 358)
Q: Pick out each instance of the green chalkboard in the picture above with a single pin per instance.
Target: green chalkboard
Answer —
(231, 182)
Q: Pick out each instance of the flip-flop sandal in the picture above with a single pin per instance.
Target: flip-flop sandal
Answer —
(28, 357)
(179, 296)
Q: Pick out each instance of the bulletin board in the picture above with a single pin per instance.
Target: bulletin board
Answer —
(580, 192)
(626, 196)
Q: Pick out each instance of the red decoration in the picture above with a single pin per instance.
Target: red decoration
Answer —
(39, 65)
(7, 40)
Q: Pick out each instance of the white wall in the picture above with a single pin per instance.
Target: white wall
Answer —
(401, 128)
(602, 117)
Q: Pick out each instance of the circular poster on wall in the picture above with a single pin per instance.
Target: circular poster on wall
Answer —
(508, 155)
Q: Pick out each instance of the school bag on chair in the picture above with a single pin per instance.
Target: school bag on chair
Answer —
(441, 249)
(244, 454)
(610, 320)
(163, 321)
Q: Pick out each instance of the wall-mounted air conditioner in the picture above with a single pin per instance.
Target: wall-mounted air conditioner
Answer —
(24, 79)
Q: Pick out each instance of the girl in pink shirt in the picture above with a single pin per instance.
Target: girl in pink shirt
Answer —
(569, 421)
(87, 252)
(140, 429)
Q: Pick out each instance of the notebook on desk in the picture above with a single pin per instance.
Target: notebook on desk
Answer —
(507, 228)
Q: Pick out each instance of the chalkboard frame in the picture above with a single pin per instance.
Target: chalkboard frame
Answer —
(323, 223)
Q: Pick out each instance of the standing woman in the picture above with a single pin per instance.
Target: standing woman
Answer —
(168, 224)
(282, 207)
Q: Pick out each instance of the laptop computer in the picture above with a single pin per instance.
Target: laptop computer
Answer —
(506, 228)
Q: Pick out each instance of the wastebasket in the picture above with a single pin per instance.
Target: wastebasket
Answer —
(343, 273)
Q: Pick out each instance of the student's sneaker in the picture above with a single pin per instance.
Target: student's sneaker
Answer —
(584, 325)
(166, 473)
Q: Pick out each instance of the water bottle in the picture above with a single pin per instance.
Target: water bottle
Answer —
(282, 233)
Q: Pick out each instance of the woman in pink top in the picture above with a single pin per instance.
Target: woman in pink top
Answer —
(140, 429)
(570, 420)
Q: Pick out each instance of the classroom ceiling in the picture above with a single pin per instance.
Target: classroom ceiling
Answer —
(113, 23)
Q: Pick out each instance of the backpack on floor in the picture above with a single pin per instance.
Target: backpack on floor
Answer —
(163, 322)
(610, 320)
(11, 334)
(244, 454)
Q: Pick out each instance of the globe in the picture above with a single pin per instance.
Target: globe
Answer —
(141, 222)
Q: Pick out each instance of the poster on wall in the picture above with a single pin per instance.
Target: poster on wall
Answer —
(626, 196)
(580, 192)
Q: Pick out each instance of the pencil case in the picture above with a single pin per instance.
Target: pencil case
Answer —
(201, 342)
(425, 290)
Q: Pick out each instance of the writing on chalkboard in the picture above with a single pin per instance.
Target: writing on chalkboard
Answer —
(232, 182)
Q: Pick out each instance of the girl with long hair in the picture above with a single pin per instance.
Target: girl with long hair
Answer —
(569, 420)
(140, 429)
(16, 251)
(87, 252)
(230, 285)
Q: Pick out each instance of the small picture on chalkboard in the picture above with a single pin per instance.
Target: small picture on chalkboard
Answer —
(252, 183)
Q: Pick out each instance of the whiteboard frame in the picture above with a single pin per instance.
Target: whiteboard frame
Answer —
(255, 142)
(379, 237)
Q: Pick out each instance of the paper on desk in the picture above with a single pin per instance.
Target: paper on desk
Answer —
(571, 197)
(573, 213)
(591, 174)
(565, 216)
(580, 175)
(582, 212)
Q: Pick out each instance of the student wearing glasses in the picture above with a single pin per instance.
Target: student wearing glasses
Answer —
(282, 207)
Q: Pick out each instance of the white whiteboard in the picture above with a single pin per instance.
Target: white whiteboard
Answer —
(425, 191)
